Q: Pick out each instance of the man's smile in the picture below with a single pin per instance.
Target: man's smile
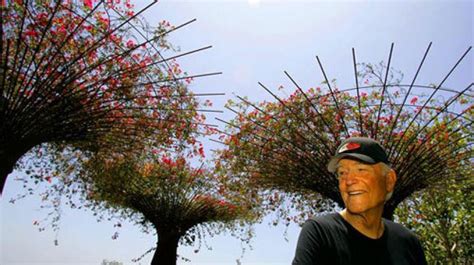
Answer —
(352, 193)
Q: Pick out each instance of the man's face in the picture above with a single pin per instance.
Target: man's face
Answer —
(363, 187)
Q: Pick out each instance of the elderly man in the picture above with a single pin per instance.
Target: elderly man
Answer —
(358, 234)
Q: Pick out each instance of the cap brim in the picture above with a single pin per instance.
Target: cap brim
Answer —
(332, 165)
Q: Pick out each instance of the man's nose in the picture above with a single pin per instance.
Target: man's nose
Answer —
(351, 178)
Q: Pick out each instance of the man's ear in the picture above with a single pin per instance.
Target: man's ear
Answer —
(391, 179)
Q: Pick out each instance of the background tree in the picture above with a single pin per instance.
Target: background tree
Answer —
(442, 216)
(88, 74)
(284, 146)
(163, 194)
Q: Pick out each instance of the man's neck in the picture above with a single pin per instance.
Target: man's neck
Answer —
(369, 225)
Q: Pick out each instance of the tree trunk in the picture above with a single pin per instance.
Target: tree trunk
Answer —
(7, 163)
(10, 152)
(166, 251)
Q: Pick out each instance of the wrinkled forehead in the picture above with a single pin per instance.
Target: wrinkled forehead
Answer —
(351, 162)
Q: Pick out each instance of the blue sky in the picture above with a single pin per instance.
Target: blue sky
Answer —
(256, 41)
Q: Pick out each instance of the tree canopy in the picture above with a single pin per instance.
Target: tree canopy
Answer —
(284, 146)
(89, 74)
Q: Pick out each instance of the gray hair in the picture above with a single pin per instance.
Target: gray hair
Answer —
(385, 170)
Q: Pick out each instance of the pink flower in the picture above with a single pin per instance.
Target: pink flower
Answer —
(130, 44)
(208, 103)
(413, 100)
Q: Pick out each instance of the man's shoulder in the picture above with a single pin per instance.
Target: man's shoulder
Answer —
(325, 218)
(327, 230)
(319, 242)
(398, 230)
(405, 242)
(330, 220)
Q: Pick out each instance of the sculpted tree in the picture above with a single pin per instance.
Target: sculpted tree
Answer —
(118, 119)
(87, 74)
(162, 193)
(283, 147)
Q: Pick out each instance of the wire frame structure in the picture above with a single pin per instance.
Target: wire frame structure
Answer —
(286, 144)
(90, 74)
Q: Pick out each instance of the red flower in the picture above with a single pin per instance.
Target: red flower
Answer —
(166, 160)
(201, 151)
(413, 100)
(88, 3)
(31, 33)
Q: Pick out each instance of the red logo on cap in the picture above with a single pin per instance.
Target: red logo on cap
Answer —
(352, 146)
(349, 146)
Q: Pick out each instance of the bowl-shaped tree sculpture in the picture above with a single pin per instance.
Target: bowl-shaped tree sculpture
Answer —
(89, 74)
(285, 145)
(165, 195)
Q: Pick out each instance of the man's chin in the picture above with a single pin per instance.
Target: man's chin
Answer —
(355, 211)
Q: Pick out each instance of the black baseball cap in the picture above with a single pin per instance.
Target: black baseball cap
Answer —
(363, 149)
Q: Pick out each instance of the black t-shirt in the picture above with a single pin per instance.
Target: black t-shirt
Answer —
(332, 240)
